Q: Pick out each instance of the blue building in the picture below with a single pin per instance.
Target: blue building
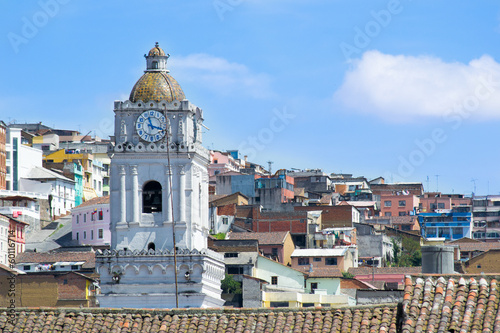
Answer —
(451, 224)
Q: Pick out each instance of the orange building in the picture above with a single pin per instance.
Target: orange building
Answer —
(398, 205)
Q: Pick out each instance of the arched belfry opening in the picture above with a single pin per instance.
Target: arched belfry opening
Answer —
(155, 64)
(151, 246)
(151, 197)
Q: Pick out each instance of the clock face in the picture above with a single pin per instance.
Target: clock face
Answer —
(151, 126)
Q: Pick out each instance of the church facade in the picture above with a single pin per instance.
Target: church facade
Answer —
(159, 201)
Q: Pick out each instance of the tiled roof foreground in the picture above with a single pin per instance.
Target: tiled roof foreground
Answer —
(360, 319)
(455, 304)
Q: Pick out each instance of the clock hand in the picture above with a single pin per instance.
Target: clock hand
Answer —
(150, 123)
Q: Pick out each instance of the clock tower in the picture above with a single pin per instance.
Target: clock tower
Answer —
(159, 200)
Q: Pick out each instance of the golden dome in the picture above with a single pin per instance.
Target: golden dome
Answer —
(156, 51)
(156, 86)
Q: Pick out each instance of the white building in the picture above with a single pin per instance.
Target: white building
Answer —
(20, 158)
(159, 184)
(61, 191)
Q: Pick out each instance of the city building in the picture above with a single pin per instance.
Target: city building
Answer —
(159, 201)
(3, 156)
(90, 222)
(486, 218)
(47, 289)
(312, 180)
(222, 211)
(340, 258)
(92, 169)
(20, 158)
(450, 224)
(222, 162)
(61, 191)
(4, 239)
(400, 204)
(275, 245)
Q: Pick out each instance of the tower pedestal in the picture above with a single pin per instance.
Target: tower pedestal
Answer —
(146, 279)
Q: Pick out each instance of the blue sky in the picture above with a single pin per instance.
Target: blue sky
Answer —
(401, 89)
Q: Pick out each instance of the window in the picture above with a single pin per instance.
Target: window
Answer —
(77, 236)
(77, 219)
(65, 281)
(402, 213)
(387, 203)
(92, 234)
(74, 267)
(331, 261)
(84, 235)
(402, 203)
(274, 280)
(318, 259)
(151, 197)
(314, 286)
(279, 304)
(231, 255)
(151, 246)
(26, 268)
(303, 261)
(234, 270)
(100, 215)
(225, 220)
(100, 233)
(275, 251)
(84, 217)
(307, 305)
(440, 205)
(387, 214)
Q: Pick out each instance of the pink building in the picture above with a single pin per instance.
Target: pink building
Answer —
(91, 222)
(432, 201)
(221, 163)
(398, 205)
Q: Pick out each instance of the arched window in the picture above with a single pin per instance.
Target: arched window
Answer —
(151, 246)
(155, 64)
(151, 197)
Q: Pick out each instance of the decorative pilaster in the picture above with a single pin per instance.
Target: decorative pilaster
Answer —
(182, 193)
(135, 194)
(123, 194)
(168, 195)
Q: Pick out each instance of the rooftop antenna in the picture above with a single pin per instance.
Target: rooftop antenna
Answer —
(437, 183)
(270, 163)
(474, 181)
(428, 184)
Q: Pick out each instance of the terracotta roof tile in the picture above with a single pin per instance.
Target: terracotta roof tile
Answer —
(95, 201)
(361, 319)
(52, 257)
(264, 238)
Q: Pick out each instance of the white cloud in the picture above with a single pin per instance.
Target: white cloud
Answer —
(406, 87)
(221, 76)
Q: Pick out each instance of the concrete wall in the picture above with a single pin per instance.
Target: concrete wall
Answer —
(364, 297)
(252, 295)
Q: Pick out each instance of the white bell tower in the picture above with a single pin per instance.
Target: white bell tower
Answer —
(159, 189)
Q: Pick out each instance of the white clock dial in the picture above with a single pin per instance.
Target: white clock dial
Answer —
(151, 126)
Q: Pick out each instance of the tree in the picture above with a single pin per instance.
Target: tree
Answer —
(409, 254)
(230, 286)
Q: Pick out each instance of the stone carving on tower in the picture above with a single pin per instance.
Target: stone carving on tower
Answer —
(159, 188)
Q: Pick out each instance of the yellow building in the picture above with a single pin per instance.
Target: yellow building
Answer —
(92, 175)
